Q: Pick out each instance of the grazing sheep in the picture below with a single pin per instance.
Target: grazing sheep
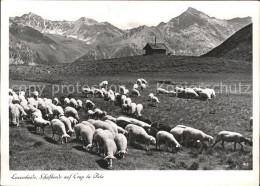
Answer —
(121, 143)
(59, 128)
(162, 91)
(138, 122)
(90, 114)
(144, 81)
(113, 125)
(151, 131)
(143, 86)
(98, 114)
(128, 101)
(87, 137)
(23, 102)
(111, 118)
(73, 121)
(99, 137)
(67, 124)
(70, 111)
(204, 95)
(109, 151)
(73, 103)
(190, 93)
(138, 81)
(98, 93)
(211, 92)
(109, 134)
(132, 109)
(232, 137)
(21, 97)
(89, 125)
(123, 99)
(180, 92)
(41, 123)
(66, 101)
(87, 91)
(56, 101)
(36, 114)
(98, 124)
(78, 128)
(135, 92)
(138, 134)
(23, 114)
(168, 139)
(89, 105)
(126, 92)
(79, 102)
(139, 109)
(195, 134)
(14, 115)
(121, 89)
(122, 121)
(135, 86)
(154, 100)
(121, 130)
(177, 132)
(58, 111)
(103, 84)
(198, 90)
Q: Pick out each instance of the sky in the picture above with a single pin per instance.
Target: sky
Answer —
(128, 14)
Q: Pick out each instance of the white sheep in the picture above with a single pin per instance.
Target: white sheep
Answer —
(90, 114)
(195, 134)
(36, 114)
(58, 111)
(89, 105)
(103, 84)
(98, 93)
(59, 128)
(144, 81)
(109, 151)
(23, 114)
(67, 124)
(73, 103)
(87, 137)
(138, 81)
(154, 100)
(99, 137)
(66, 101)
(98, 114)
(41, 123)
(102, 125)
(89, 125)
(135, 92)
(133, 109)
(211, 92)
(126, 92)
(232, 137)
(56, 101)
(113, 125)
(139, 123)
(162, 91)
(14, 114)
(135, 86)
(109, 117)
(128, 101)
(143, 86)
(139, 134)
(78, 128)
(121, 143)
(168, 139)
(190, 93)
(70, 111)
(87, 91)
(123, 99)
(73, 121)
(139, 109)
(123, 121)
(177, 132)
(121, 89)
(79, 102)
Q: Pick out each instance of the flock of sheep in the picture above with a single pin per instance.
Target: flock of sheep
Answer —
(109, 135)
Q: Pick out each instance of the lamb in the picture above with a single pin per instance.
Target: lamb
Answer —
(139, 134)
(168, 139)
(135, 92)
(232, 137)
(70, 111)
(98, 114)
(67, 124)
(139, 109)
(59, 128)
(87, 137)
(162, 91)
(109, 151)
(89, 105)
(195, 134)
(41, 123)
(135, 86)
(121, 143)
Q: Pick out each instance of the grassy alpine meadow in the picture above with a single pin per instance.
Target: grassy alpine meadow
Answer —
(230, 111)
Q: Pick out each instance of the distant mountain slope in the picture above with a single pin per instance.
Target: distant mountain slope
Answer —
(29, 46)
(192, 33)
(237, 47)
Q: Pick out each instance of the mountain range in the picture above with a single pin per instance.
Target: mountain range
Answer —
(34, 39)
